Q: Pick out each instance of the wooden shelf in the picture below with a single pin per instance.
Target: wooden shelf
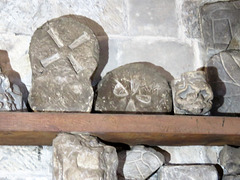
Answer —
(20, 128)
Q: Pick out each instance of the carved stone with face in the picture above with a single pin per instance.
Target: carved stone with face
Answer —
(64, 54)
(192, 94)
(136, 87)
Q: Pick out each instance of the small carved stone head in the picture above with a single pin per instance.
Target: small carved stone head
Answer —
(192, 94)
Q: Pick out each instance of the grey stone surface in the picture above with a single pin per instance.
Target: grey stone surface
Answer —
(25, 17)
(25, 162)
(141, 162)
(153, 18)
(64, 53)
(193, 154)
(174, 57)
(192, 94)
(191, 172)
(83, 157)
(10, 97)
(220, 23)
(136, 87)
(223, 72)
(230, 160)
(190, 16)
(231, 177)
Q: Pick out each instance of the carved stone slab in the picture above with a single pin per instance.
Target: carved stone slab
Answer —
(64, 54)
(230, 160)
(192, 94)
(220, 23)
(141, 162)
(82, 157)
(223, 74)
(10, 97)
(190, 172)
(136, 87)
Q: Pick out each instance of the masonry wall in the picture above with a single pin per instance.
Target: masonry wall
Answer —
(163, 32)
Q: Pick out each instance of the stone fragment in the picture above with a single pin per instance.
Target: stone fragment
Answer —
(192, 94)
(223, 74)
(190, 172)
(10, 96)
(220, 23)
(231, 177)
(141, 162)
(82, 157)
(136, 87)
(230, 160)
(64, 54)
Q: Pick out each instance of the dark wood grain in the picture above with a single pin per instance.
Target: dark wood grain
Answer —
(19, 128)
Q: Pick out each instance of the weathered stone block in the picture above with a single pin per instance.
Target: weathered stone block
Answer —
(83, 157)
(193, 154)
(62, 64)
(230, 160)
(192, 94)
(141, 162)
(136, 87)
(174, 57)
(19, 162)
(196, 172)
(220, 23)
(223, 72)
(25, 17)
(153, 18)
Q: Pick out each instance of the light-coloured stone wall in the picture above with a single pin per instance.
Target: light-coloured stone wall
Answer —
(138, 30)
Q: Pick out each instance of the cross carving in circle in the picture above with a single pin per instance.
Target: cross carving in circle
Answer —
(77, 42)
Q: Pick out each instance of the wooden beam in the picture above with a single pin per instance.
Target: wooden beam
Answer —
(19, 128)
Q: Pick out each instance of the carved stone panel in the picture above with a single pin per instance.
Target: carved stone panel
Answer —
(220, 24)
(223, 74)
(192, 94)
(141, 162)
(64, 54)
(82, 157)
(136, 87)
(10, 97)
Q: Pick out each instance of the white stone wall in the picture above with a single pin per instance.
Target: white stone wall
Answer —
(138, 30)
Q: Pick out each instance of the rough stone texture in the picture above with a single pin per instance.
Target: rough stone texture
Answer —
(10, 97)
(192, 94)
(220, 23)
(83, 157)
(190, 14)
(17, 48)
(167, 54)
(136, 87)
(141, 162)
(230, 160)
(62, 64)
(25, 17)
(25, 163)
(196, 172)
(193, 154)
(231, 177)
(153, 18)
(223, 72)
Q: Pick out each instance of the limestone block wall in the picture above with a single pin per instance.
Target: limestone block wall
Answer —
(163, 32)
